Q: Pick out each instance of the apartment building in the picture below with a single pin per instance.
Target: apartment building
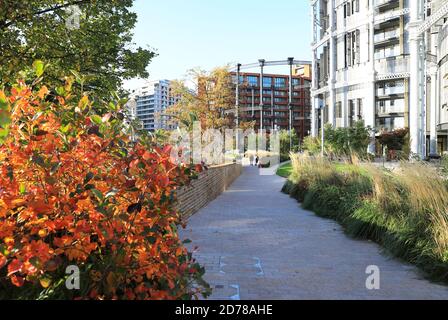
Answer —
(303, 70)
(372, 61)
(275, 102)
(151, 102)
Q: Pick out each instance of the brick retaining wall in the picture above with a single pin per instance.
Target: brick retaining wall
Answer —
(210, 184)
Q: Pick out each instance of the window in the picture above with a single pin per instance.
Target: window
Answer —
(339, 109)
(351, 7)
(357, 47)
(390, 123)
(387, 52)
(360, 109)
(386, 34)
(280, 82)
(347, 10)
(252, 80)
(280, 93)
(267, 81)
(390, 88)
(348, 46)
(351, 116)
(266, 100)
(352, 48)
(391, 106)
(355, 5)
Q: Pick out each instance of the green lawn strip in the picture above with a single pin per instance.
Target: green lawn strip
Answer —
(285, 170)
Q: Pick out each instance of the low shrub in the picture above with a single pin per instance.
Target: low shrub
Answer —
(347, 142)
(397, 144)
(404, 211)
(312, 145)
(75, 190)
(285, 144)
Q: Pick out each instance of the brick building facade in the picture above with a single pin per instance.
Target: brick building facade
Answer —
(275, 102)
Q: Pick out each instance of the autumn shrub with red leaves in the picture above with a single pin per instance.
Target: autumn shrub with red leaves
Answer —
(75, 190)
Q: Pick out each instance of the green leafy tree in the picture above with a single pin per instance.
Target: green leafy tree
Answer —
(312, 145)
(346, 141)
(98, 49)
(285, 144)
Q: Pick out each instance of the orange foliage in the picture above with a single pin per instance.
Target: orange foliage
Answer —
(74, 190)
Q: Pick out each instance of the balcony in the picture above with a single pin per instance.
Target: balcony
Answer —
(387, 38)
(385, 5)
(387, 111)
(387, 35)
(390, 124)
(389, 19)
(389, 90)
(392, 68)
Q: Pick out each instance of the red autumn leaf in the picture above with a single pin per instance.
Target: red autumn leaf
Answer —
(167, 149)
(134, 163)
(17, 281)
(147, 156)
(3, 260)
(14, 267)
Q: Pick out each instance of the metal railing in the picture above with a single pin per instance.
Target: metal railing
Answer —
(385, 110)
(381, 2)
(399, 64)
(387, 35)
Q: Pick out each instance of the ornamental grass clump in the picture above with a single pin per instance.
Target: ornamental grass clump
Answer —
(406, 211)
(307, 171)
(428, 204)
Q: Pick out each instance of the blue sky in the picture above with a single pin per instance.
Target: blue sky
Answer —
(209, 33)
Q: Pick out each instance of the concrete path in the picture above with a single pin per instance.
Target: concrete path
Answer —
(257, 243)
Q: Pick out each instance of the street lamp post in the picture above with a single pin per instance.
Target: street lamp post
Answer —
(237, 105)
(272, 106)
(322, 120)
(253, 103)
(262, 63)
(237, 101)
(291, 62)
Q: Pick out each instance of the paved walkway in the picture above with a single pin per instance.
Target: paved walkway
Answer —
(257, 243)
